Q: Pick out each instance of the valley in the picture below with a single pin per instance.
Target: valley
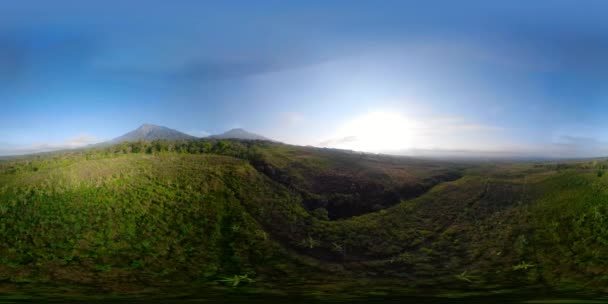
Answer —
(203, 212)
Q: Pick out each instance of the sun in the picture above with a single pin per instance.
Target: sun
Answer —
(379, 131)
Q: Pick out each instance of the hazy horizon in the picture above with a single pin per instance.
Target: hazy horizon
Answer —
(399, 78)
(449, 154)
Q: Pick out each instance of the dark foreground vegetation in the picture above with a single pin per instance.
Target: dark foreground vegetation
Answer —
(255, 214)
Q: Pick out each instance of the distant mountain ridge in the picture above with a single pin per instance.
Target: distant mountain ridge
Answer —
(155, 132)
(152, 132)
(239, 133)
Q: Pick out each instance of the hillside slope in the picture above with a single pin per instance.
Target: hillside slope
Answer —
(239, 133)
(206, 210)
(151, 132)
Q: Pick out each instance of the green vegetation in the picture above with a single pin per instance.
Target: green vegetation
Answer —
(231, 212)
(237, 279)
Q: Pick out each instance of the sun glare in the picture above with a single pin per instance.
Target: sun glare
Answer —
(379, 132)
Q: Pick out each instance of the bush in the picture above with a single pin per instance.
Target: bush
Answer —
(321, 214)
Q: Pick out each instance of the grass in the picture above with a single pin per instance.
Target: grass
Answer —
(209, 211)
(152, 215)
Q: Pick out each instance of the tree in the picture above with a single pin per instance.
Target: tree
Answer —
(320, 213)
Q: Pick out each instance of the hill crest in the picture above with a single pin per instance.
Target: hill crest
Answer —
(239, 133)
(151, 132)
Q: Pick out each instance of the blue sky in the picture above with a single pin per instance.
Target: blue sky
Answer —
(404, 77)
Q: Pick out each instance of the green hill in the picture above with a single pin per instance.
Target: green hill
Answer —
(212, 212)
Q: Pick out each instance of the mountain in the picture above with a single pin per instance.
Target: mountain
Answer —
(239, 133)
(151, 132)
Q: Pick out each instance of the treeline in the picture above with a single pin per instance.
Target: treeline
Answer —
(234, 148)
(242, 149)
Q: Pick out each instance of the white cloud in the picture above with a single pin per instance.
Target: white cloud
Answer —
(389, 131)
(199, 133)
(578, 146)
(338, 141)
(398, 133)
(291, 118)
(78, 141)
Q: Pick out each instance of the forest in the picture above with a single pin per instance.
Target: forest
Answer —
(261, 215)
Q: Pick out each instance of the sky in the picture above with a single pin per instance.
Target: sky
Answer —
(508, 78)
